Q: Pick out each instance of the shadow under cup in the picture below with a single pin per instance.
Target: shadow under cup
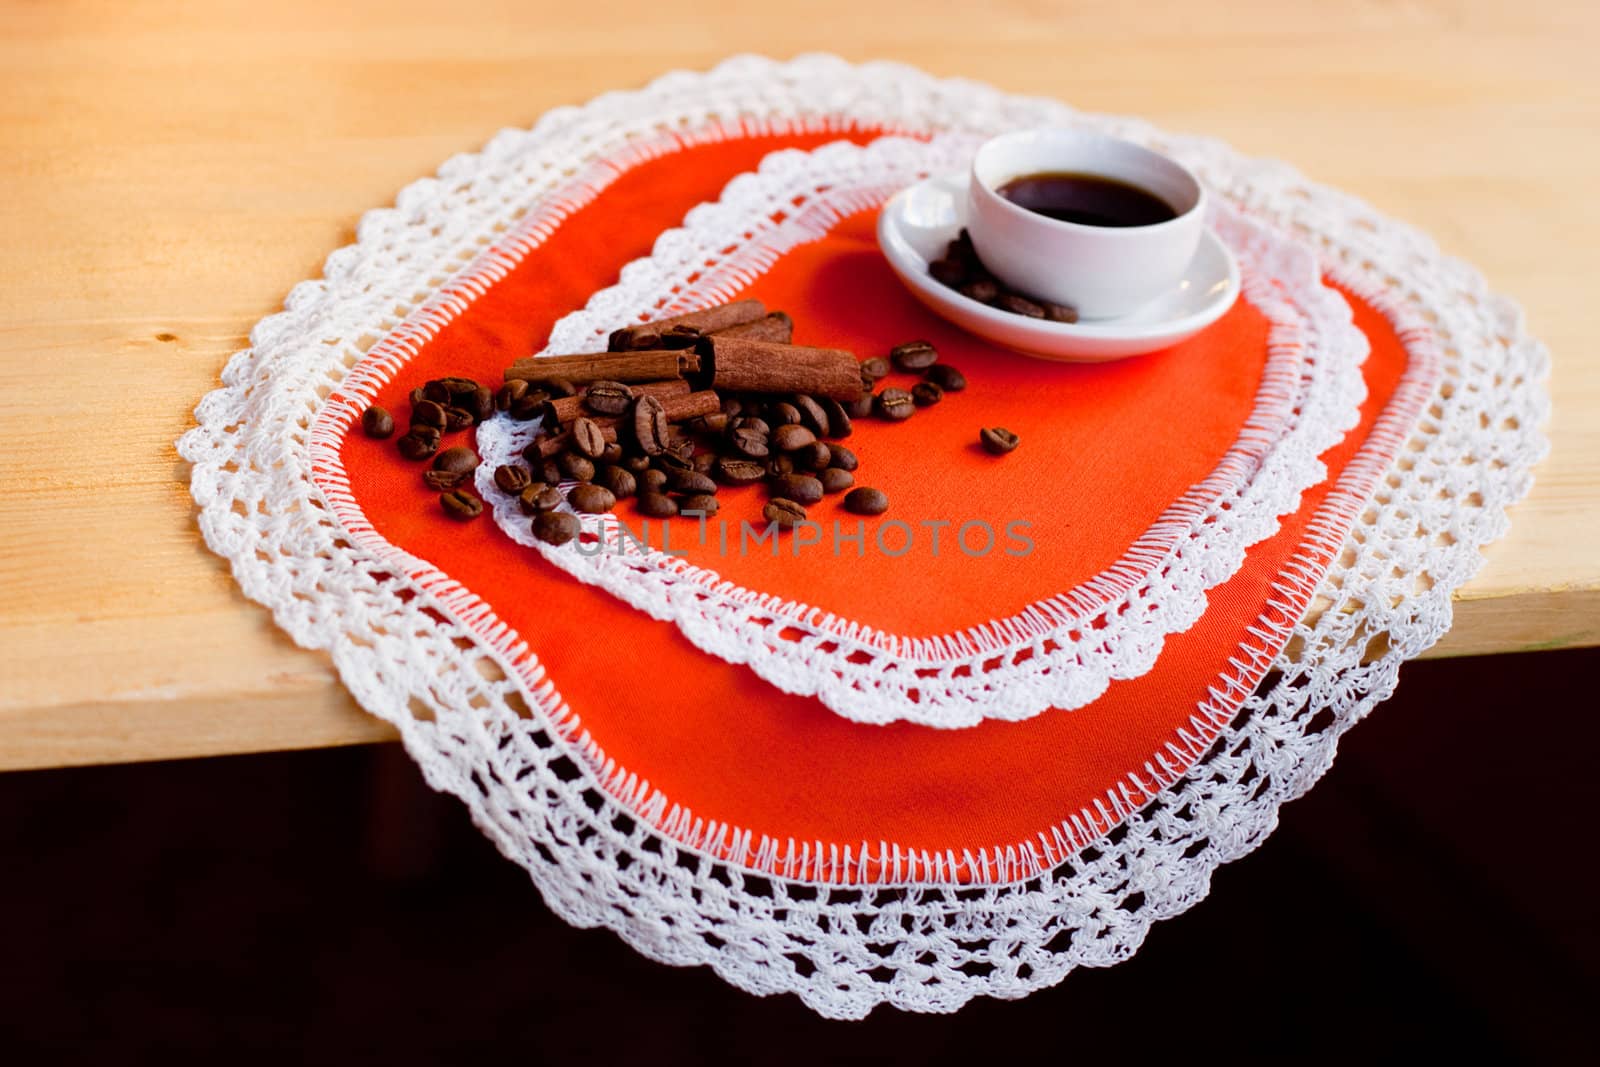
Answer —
(1102, 271)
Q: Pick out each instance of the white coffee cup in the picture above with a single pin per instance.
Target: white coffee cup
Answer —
(1102, 271)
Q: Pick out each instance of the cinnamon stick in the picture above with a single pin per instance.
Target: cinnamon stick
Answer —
(776, 326)
(647, 366)
(742, 366)
(682, 331)
(564, 409)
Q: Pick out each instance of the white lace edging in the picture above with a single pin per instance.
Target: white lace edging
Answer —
(407, 641)
(1062, 651)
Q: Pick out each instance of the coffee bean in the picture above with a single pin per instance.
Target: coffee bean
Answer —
(460, 505)
(510, 393)
(437, 392)
(983, 291)
(838, 417)
(835, 479)
(672, 460)
(750, 422)
(591, 499)
(377, 422)
(587, 439)
(621, 482)
(710, 425)
(457, 460)
(539, 497)
(736, 471)
(895, 405)
(560, 387)
(1059, 312)
(576, 467)
(459, 392)
(428, 413)
(440, 480)
(874, 369)
(636, 464)
(914, 355)
(789, 438)
(690, 482)
(784, 513)
(512, 479)
(650, 426)
(704, 461)
(420, 443)
(1019, 305)
(926, 394)
(946, 377)
(998, 440)
(948, 272)
(814, 457)
(864, 501)
(549, 471)
(533, 404)
(608, 398)
(683, 448)
(457, 419)
(783, 414)
(657, 505)
(842, 458)
(556, 527)
(861, 406)
(801, 488)
(732, 406)
(780, 464)
(482, 406)
(652, 481)
(748, 442)
(417, 396)
(612, 453)
(704, 503)
(812, 417)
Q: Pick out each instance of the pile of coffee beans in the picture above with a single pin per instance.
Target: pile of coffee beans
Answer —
(622, 445)
(962, 270)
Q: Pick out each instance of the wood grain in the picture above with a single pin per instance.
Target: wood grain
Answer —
(170, 171)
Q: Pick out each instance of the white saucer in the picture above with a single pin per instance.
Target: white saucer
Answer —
(918, 223)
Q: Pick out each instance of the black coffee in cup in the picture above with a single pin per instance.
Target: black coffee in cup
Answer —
(1087, 199)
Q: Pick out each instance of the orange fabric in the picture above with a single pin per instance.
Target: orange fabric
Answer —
(713, 736)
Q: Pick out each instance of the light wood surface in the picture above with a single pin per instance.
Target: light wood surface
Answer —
(170, 170)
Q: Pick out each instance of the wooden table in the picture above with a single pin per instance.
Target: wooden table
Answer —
(170, 171)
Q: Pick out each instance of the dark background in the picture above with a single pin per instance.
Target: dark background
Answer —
(1434, 895)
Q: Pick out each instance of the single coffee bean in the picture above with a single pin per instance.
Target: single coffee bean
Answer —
(783, 414)
(510, 393)
(457, 460)
(780, 464)
(864, 501)
(895, 405)
(946, 377)
(418, 396)
(591, 499)
(533, 404)
(672, 460)
(650, 427)
(657, 505)
(680, 481)
(437, 392)
(948, 271)
(576, 467)
(710, 425)
(377, 422)
(801, 488)
(460, 391)
(460, 505)
(784, 513)
(653, 480)
(482, 405)
(982, 290)
(612, 453)
(428, 413)
(791, 437)
(587, 439)
(512, 479)
(914, 355)
(1059, 312)
(736, 471)
(812, 417)
(704, 461)
(683, 448)
(1019, 305)
(457, 419)
(556, 527)
(608, 398)
(749, 442)
(621, 482)
(549, 471)
(420, 443)
(926, 394)
(750, 422)
(874, 369)
(441, 480)
(838, 417)
(836, 479)
(560, 387)
(731, 406)
(998, 440)
(861, 406)
(538, 497)
(704, 503)
(842, 458)
(814, 457)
